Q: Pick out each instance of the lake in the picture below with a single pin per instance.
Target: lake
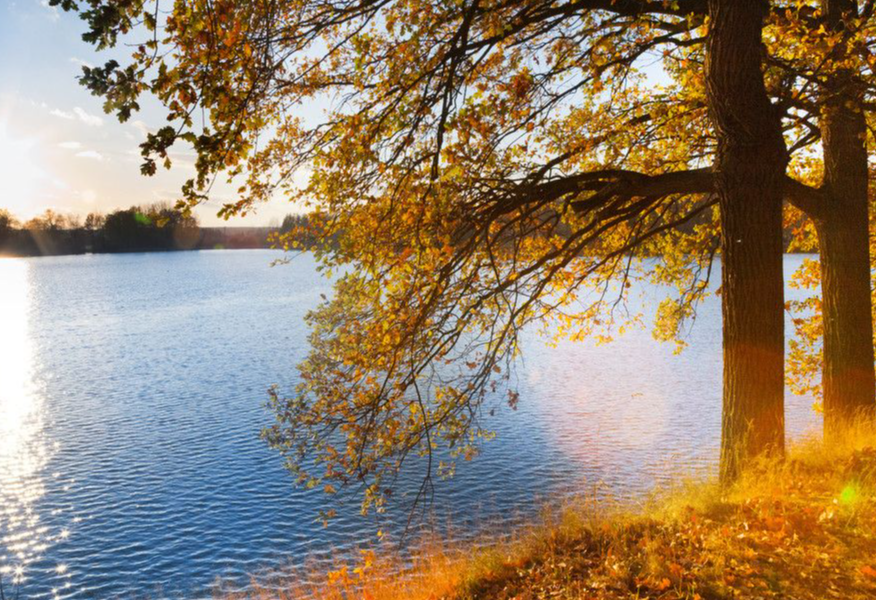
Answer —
(132, 392)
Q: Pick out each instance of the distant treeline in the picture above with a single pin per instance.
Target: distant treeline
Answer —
(159, 227)
(156, 227)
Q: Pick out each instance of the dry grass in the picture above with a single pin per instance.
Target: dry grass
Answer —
(801, 528)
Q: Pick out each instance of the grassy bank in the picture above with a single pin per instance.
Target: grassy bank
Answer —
(801, 528)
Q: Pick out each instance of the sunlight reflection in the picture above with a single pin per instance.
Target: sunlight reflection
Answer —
(16, 404)
(606, 412)
(23, 452)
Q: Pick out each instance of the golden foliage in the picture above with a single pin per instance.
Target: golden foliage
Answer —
(475, 169)
(801, 528)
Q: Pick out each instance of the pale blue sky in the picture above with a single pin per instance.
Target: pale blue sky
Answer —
(57, 147)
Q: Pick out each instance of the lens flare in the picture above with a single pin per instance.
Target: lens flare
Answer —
(19, 173)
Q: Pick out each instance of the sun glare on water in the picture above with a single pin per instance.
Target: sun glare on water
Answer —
(15, 353)
(23, 449)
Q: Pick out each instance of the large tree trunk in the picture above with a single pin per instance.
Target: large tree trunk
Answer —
(847, 372)
(848, 380)
(749, 168)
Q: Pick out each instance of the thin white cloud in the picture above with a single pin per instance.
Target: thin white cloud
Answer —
(183, 160)
(51, 11)
(91, 154)
(87, 196)
(78, 113)
(70, 145)
(141, 127)
(82, 63)
(87, 118)
(57, 112)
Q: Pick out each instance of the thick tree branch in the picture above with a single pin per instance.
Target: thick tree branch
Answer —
(805, 197)
(630, 184)
(680, 8)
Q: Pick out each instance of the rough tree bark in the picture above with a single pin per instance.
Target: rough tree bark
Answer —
(749, 175)
(848, 380)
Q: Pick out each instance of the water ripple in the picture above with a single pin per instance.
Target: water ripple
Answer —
(131, 397)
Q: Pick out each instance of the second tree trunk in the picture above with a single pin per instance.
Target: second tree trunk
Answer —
(848, 380)
(749, 168)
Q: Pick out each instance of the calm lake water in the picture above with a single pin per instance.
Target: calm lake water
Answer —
(132, 392)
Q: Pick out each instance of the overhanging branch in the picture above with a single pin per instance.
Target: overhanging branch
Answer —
(805, 197)
(630, 184)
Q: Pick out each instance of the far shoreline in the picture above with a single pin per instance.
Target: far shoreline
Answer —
(150, 251)
(78, 242)
(266, 246)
